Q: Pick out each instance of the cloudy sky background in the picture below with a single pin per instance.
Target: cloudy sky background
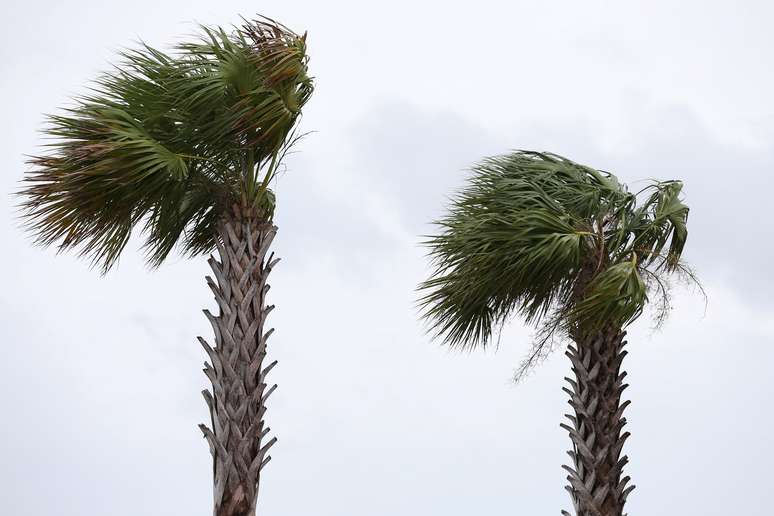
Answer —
(101, 376)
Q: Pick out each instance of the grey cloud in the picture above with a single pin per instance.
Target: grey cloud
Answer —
(418, 157)
(102, 375)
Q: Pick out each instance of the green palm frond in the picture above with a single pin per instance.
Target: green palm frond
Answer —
(561, 244)
(615, 297)
(170, 142)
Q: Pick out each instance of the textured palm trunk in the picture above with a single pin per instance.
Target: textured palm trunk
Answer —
(238, 436)
(596, 486)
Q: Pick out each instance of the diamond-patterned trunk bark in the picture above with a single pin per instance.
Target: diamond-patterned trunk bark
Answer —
(596, 486)
(237, 436)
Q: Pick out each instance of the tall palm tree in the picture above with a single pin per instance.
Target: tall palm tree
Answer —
(573, 252)
(185, 146)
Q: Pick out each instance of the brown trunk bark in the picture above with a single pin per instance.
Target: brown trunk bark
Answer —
(238, 437)
(596, 486)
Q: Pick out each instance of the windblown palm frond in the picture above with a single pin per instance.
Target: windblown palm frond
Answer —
(170, 141)
(559, 243)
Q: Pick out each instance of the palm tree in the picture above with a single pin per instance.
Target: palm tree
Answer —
(185, 146)
(573, 252)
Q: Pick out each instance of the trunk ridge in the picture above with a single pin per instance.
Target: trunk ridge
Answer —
(238, 436)
(595, 482)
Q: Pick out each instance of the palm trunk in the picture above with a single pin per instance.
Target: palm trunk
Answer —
(596, 486)
(238, 438)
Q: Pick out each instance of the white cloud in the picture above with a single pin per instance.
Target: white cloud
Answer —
(102, 375)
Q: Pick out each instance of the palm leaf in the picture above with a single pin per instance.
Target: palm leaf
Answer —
(170, 141)
(561, 244)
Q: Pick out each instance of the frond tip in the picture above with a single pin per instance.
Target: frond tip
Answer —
(561, 244)
(170, 142)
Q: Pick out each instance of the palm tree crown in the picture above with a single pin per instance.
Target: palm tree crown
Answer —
(172, 141)
(566, 246)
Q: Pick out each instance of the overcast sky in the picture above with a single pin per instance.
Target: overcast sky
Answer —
(101, 376)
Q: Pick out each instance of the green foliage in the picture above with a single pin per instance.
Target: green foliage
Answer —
(170, 141)
(558, 243)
